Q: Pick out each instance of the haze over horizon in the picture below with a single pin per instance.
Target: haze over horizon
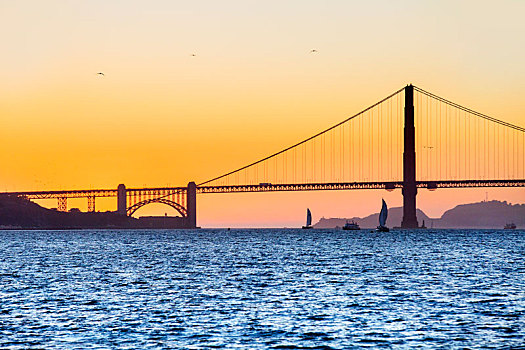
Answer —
(192, 90)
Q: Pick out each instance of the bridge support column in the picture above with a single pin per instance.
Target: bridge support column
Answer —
(409, 163)
(121, 200)
(191, 205)
(62, 204)
(91, 204)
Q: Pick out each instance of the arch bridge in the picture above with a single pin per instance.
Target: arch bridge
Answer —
(129, 200)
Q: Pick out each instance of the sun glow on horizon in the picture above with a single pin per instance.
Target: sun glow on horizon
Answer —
(193, 90)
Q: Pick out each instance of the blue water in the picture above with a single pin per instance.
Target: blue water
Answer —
(261, 289)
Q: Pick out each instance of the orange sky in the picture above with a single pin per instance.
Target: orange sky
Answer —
(163, 117)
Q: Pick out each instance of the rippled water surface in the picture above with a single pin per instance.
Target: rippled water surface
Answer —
(282, 289)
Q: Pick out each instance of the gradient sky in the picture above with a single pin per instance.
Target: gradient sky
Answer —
(163, 117)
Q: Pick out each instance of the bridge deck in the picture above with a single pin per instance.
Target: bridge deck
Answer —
(358, 186)
(94, 192)
(267, 187)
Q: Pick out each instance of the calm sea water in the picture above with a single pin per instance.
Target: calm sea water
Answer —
(280, 289)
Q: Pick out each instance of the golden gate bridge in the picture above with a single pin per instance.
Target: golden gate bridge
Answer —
(410, 139)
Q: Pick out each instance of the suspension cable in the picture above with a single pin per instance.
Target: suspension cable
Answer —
(304, 141)
(468, 110)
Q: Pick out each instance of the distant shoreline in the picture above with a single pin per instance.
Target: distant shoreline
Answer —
(480, 215)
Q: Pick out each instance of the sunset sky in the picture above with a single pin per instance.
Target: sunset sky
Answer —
(161, 116)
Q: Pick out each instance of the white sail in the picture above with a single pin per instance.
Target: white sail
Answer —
(308, 217)
(383, 215)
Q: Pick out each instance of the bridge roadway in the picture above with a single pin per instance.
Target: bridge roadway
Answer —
(265, 187)
(358, 185)
(99, 193)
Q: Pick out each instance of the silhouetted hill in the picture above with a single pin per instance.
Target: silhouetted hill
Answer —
(371, 221)
(492, 214)
(20, 213)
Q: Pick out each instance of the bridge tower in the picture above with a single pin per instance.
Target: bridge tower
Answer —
(191, 205)
(121, 199)
(409, 163)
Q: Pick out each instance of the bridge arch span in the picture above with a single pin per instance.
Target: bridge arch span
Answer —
(182, 211)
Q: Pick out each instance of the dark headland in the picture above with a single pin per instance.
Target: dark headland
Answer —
(19, 213)
(487, 214)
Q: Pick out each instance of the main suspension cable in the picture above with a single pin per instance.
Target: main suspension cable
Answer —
(304, 141)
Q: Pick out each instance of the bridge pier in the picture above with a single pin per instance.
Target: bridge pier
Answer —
(409, 163)
(121, 200)
(191, 205)
(62, 204)
(91, 204)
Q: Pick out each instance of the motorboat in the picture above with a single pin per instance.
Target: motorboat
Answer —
(351, 225)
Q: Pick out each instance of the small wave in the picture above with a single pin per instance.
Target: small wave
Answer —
(317, 317)
(291, 346)
(373, 341)
(313, 335)
(486, 301)
(9, 274)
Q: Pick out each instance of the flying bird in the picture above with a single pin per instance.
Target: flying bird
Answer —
(193, 55)
(100, 73)
(313, 50)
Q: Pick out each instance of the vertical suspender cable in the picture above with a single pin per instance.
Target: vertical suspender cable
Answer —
(371, 143)
(380, 139)
(427, 141)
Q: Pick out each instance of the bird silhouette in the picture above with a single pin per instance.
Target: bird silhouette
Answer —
(193, 55)
(314, 50)
(100, 73)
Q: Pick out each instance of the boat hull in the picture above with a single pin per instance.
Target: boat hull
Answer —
(307, 227)
(351, 225)
(382, 229)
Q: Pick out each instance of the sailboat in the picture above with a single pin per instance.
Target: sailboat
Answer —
(382, 219)
(308, 219)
